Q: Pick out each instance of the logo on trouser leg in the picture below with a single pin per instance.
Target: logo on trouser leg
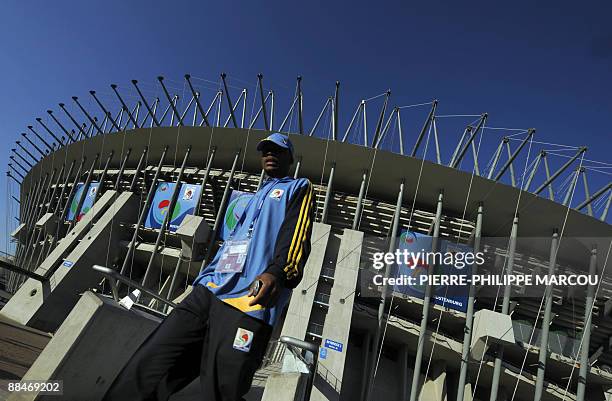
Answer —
(243, 340)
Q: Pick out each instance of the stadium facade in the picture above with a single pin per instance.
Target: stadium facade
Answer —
(100, 192)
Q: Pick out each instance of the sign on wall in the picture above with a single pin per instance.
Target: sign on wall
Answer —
(92, 189)
(451, 296)
(186, 203)
(333, 345)
(235, 207)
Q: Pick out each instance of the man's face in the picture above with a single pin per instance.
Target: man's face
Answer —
(275, 160)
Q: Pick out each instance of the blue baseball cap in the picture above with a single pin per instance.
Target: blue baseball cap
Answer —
(278, 139)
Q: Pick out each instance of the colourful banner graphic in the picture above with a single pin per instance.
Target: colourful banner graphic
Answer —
(235, 207)
(186, 204)
(418, 246)
(92, 189)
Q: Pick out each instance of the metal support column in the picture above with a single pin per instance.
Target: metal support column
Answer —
(530, 133)
(299, 106)
(59, 140)
(58, 205)
(384, 293)
(79, 127)
(467, 131)
(430, 117)
(348, 129)
(221, 210)
(587, 192)
(271, 93)
(426, 304)
(469, 314)
(166, 223)
(34, 215)
(47, 209)
(296, 173)
(59, 124)
(83, 193)
(259, 111)
(560, 170)
(604, 214)
(381, 117)
(198, 104)
(478, 128)
(505, 309)
(356, 217)
(335, 112)
(172, 103)
(146, 104)
(328, 102)
(595, 196)
(143, 212)
(543, 353)
(586, 332)
(39, 150)
(533, 170)
(229, 101)
(570, 189)
(104, 110)
(21, 157)
(91, 120)
(180, 259)
(122, 168)
(124, 107)
(328, 193)
(263, 101)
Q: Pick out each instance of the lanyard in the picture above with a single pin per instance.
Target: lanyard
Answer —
(257, 210)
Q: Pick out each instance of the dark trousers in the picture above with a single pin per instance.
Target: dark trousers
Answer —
(196, 339)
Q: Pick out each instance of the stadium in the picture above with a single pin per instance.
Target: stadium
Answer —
(94, 183)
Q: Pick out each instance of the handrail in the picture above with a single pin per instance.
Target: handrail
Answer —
(293, 344)
(115, 276)
(299, 343)
(337, 384)
(20, 270)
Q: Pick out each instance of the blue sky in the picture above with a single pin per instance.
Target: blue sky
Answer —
(528, 64)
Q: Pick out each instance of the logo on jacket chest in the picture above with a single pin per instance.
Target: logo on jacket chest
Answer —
(277, 193)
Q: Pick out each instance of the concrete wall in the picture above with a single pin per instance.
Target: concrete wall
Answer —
(45, 305)
(339, 315)
(90, 348)
(300, 306)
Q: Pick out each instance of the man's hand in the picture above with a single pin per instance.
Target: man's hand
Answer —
(268, 292)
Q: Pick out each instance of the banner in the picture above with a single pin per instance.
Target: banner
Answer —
(235, 207)
(418, 246)
(454, 296)
(186, 204)
(87, 203)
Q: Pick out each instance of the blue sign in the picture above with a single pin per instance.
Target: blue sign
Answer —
(235, 207)
(323, 353)
(418, 245)
(333, 345)
(87, 202)
(186, 204)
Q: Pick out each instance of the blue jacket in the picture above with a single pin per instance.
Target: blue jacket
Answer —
(280, 245)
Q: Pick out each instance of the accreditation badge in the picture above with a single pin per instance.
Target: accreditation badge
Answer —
(233, 257)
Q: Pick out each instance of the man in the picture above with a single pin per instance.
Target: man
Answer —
(221, 329)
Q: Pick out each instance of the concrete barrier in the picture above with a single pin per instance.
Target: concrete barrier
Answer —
(89, 349)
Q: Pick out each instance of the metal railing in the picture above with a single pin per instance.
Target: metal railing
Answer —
(328, 272)
(329, 377)
(308, 353)
(114, 277)
(315, 329)
(322, 298)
